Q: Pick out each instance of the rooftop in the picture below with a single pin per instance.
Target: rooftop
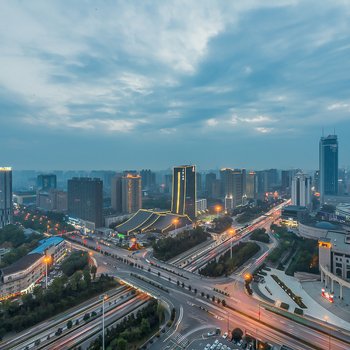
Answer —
(46, 243)
(21, 264)
(340, 241)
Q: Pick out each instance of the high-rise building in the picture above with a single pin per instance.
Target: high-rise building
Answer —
(46, 182)
(85, 199)
(216, 189)
(148, 179)
(316, 181)
(6, 209)
(184, 193)
(301, 190)
(239, 183)
(199, 183)
(251, 185)
(168, 183)
(131, 193)
(328, 166)
(226, 177)
(116, 193)
(209, 182)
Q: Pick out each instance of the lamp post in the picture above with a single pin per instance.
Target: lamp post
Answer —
(46, 261)
(217, 208)
(103, 297)
(232, 232)
(175, 222)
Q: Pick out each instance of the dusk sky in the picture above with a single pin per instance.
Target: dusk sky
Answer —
(152, 84)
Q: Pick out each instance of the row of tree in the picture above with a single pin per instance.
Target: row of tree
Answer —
(62, 294)
(166, 248)
(13, 237)
(226, 265)
(260, 235)
(133, 328)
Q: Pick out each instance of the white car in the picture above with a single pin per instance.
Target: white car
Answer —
(225, 335)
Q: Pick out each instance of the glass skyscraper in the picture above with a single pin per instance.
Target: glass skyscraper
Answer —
(184, 191)
(328, 166)
(5, 196)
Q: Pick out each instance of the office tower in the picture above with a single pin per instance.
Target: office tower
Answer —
(85, 199)
(184, 191)
(131, 192)
(168, 183)
(287, 177)
(5, 196)
(209, 182)
(46, 182)
(148, 179)
(216, 189)
(238, 189)
(316, 181)
(251, 185)
(328, 166)
(226, 177)
(116, 193)
(301, 190)
(199, 183)
(229, 204)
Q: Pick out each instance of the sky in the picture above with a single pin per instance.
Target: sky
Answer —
(153, 84)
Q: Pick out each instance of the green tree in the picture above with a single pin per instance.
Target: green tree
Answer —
(69, 324)
(145, 326)
(121, 344)
(93, 271)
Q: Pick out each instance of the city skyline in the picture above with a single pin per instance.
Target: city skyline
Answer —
(248, 85)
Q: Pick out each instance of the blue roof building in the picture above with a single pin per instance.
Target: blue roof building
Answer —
(46, 244)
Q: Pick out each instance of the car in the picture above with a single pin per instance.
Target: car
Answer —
(225, 335)
(211, 334)
(216, 341)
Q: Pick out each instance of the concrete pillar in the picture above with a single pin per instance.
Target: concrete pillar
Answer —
(341, 291)
(326, 281)
(332, 285)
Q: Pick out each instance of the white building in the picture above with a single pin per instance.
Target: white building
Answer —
(229, 205)
(301, 190)
(201, 205)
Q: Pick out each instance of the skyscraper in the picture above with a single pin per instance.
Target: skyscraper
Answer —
(5, 196)
(209, 183)
(251, 185)
(46, 182)
(85, 199)
(328, 166)
(131, 193)
(116, 193)
(301, 190)
(148, 179)
(184, 192)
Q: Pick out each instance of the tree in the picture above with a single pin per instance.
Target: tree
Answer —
(145, 326)
(93, 270)
(223, 302)
(69, 324)
(121, 344)
(237, 334)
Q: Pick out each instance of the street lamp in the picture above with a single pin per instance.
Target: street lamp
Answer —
(47, 260)
(218, 209)
(103, 297)
(175, 222)
(231, 232)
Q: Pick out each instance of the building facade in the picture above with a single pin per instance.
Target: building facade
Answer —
(301, 190)
(251, 185)
(85, 199)
(131, 193)
(46, 182)
(328, 163)
(6, 204)
(184, 191)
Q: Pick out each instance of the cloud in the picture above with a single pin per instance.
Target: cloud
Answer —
(264, 130)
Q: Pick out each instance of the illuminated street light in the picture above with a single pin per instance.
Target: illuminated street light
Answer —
(175, 222)
(47, 260)
(103, 297)
(218, 209)
(231, 232)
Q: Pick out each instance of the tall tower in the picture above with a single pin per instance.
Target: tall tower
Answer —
(184, 193)
(131, 193)
(301, 190)
(328, 166)
(46, 182)
(85, 199)
(5, 196)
